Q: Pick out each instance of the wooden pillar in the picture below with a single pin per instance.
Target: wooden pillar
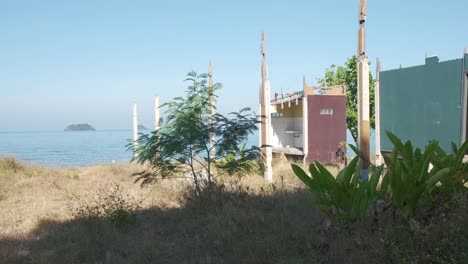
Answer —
(135, 131)
(378, 154)
(212, 111)
(363, 94)
(265, 126)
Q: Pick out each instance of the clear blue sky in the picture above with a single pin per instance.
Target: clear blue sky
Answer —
(65, 62)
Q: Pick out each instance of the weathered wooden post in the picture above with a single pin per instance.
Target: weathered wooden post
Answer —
(378, 154)
(363, 93)
(265, 116)
(156, 113)
(212, 111)
(135, 131)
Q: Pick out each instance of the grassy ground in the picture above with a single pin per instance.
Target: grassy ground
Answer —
(99, 215)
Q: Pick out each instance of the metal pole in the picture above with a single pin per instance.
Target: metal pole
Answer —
(378, 154)
(265, 116)
(135, 131)
(363, 94)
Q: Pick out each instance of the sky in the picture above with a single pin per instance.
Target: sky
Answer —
(88, 61)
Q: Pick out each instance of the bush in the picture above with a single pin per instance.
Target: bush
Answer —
(344, 195)
(239, 162)
(407, 184)
(113, 205)
(184, 144)
(11, 164)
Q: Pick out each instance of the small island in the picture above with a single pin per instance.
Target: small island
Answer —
(79, 127)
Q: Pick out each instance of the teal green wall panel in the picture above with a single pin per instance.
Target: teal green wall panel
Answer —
(422, 103)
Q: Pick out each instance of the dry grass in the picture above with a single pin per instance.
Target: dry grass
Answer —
(245, 220)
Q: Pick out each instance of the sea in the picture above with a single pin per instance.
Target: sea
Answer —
(82, 148)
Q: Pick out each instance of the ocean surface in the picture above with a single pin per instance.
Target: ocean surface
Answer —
(80, 148)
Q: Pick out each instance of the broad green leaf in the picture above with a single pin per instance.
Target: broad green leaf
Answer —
(374, 180)
(300, 173)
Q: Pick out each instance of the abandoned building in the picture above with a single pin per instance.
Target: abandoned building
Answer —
(310, 125)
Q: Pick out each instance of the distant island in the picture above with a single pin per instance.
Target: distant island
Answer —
(142, 127)
(79, 127)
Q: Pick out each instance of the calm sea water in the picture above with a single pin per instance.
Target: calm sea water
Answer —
(80, 148)
(67, 149)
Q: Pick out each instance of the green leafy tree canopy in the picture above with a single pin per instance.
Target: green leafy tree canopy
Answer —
(347, 75)
(183, 144)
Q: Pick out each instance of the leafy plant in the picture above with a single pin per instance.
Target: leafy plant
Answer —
(410, 178)
(114, 205)
(458, 170)
(184, 145)
(350, 197)
(241, 162)
(408, 175)
(347, 75)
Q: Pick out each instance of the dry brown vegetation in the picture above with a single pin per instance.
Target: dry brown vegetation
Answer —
(49, 216)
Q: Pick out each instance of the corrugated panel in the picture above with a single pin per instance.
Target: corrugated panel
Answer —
(326, 128)
(422, 103)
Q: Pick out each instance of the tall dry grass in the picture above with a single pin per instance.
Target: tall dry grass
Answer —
(244, 220)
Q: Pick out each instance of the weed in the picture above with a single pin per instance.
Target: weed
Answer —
(238, 162)
(11, 164)
(114, 205)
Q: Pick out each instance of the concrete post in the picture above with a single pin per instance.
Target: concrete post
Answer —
(363, 94)
(378, 154)
(305, 122)
(265, 116)
(156, 113)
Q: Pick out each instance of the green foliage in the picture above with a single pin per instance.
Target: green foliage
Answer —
(345, 193)
(183, 143)
(347, 75)
(409, 180)
(458, 170)
(241, 162)
(113, 205)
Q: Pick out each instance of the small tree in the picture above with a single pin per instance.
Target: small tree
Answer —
(347, 75)
(183, 143)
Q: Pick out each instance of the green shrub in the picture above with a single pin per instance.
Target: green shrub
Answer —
(350, 197)
(113, 205)
(240, 162)
(409, 179)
